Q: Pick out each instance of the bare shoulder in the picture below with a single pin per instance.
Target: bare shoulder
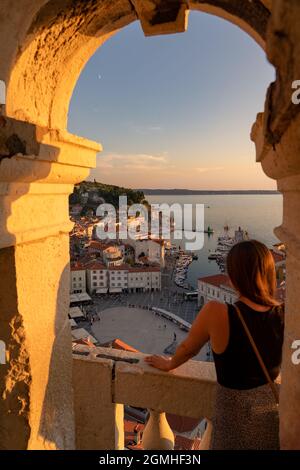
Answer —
(215, 311)
(215, 306)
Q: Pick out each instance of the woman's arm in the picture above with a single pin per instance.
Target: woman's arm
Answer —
(196, 339)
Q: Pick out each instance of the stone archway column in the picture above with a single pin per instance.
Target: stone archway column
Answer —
(38, 168)
(289, 234)
(281, 162)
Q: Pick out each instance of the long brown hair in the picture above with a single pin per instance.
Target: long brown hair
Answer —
(251, 269)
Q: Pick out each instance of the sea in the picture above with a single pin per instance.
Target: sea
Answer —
(258, 214)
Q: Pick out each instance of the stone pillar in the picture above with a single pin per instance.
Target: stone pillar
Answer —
(38, 168)
(281, 162)
(206, 438)
(99, 422)
(157, 434)
(289, 234)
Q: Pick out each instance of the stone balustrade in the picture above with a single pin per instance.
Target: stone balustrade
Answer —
(105, 379)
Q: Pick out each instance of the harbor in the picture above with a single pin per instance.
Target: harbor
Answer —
(225, 243)
(210, 260)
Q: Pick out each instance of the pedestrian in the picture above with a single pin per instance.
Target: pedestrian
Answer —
(175, 336)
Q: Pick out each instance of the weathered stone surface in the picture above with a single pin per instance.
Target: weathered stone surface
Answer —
(44, 46)
(283, 50)
(162, 17)
(252, 16)
(55, 40)
(98, 420)
(36, 406)
(15, 375)
(102, 386)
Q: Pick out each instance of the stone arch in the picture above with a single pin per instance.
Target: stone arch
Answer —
(60, 38)
(44, 46)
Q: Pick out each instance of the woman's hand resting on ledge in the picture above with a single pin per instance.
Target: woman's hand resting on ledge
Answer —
(197, 337)
(159, 362)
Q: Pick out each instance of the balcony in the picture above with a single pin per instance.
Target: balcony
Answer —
(105, 379)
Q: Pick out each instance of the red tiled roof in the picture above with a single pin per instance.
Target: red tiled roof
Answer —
(216, 280)
(144, 269)
(122, 267)
(77, 266)
(184, 443)
(96, 266)
(94, 244)
(119, 344)
(88, 259)
(129, 427)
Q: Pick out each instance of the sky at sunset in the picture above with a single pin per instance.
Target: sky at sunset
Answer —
(175, 111)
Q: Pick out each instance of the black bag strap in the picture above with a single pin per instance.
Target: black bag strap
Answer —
(257, 353)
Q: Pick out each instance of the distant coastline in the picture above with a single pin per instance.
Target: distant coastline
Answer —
(192, 192)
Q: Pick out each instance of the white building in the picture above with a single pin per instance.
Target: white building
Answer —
(216, 287)
(141, 279)
(118, 278)
(152, 249)
(97, 278)
(100, 279)
(77, 279)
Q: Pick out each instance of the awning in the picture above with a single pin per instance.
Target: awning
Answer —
(75, 312)
(79, 297)
(102, 290)
(72, 323)
(115, 290)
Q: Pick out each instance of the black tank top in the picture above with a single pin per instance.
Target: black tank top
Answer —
(237, 367)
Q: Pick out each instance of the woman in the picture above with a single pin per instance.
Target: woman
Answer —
(246, 415)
